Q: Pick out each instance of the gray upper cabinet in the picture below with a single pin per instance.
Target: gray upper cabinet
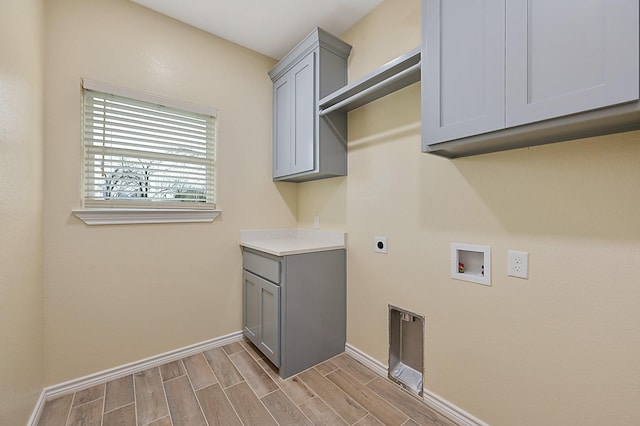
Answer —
(293, 112)
(305, 145)
(569, 56)
(463, 86)
(504, 74)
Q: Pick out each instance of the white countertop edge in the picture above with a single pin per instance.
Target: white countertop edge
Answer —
(288, 252)
(287, 241)
(336, 237)
(267, 234)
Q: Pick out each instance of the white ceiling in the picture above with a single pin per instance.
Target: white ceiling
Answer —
(271, 27)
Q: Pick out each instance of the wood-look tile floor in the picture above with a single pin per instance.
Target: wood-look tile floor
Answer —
(235, 385)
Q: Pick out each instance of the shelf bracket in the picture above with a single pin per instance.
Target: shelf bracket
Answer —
(341, 137)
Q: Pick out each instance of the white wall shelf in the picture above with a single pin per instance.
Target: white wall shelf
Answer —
(394, 75)
(471, 263)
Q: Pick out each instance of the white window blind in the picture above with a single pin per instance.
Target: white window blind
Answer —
(146, 154)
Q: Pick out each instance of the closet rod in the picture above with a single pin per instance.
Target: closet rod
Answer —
(371, 89)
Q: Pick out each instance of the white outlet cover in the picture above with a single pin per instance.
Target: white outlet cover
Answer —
(518, 264)
(380, 245)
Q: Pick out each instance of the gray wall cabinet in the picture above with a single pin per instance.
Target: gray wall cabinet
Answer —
(305, 145)
(505, 74)
(294, 307)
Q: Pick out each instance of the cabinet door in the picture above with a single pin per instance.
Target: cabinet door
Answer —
(304, 115)
(261, 315)
(462, 68)
(569, 56)
(282, 126)
(269, 309)
(250, 294)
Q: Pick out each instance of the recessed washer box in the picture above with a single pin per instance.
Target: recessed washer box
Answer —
(471, 263)
(406, 349)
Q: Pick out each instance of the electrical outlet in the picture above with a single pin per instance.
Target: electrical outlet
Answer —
(518, 264)
(380, 245)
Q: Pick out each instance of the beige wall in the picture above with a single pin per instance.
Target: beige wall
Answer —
(117, 294)
(21, 334)
(559, 348)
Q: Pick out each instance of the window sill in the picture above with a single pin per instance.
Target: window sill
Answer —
(138, 216)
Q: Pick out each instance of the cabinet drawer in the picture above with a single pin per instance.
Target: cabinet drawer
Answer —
(262, 266)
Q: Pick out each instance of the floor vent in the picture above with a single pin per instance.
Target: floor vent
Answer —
(406, 349)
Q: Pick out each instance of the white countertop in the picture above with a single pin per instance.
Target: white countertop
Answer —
(283, 242)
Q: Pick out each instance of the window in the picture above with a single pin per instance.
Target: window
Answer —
(143, 152)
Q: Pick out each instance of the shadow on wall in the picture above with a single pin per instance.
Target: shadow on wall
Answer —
(289, 193)
(377, 123)
(326, 198)
(386, 136)
(582, 188)
(587, 188)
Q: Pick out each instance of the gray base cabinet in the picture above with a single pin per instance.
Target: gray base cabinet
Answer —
(305, 145)
(294, 307)
(504, 74)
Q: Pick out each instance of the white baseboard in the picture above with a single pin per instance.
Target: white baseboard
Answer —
(37, 411)
(378, 367)
(72, 386)
(441, 405)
